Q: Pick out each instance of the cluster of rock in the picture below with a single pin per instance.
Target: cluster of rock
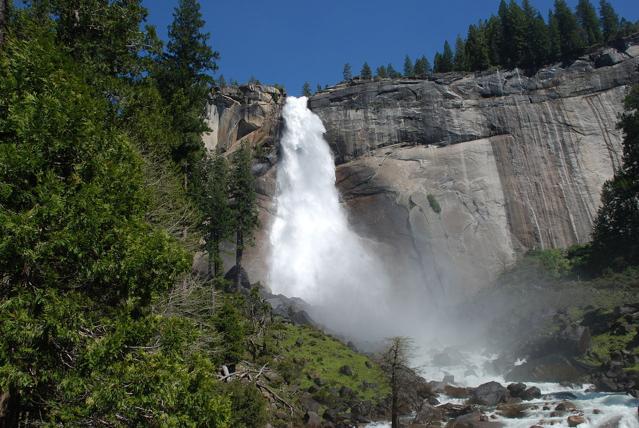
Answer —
(488, 405)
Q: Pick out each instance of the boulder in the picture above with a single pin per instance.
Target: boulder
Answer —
(575, 420)
(516, 389)
(489, 394)
(509, 410)
(346, 370)
(531, 393)
(312, 420)
(456, 391)
(428, 414)
(245, 283)
(549, 368)
(474, 420)
(609, 57)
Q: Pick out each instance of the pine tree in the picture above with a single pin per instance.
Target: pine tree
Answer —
(476, 50)
(4, 13)
(347, 73)
(221, 81)
(381, 72)
(589, 23)
(392, 73)
(514, 34)
(217, 219)
(409, 69)
(616, 231)
(460, 62)
(422, 68)
(537, 45)
(493, 36)
(244, 206)
(554, 38)
(609, 21)
(318, 88)
(306, 90)
(437, 63)
(572, 43)
(366, 73)
(184, 81)
(447, 58)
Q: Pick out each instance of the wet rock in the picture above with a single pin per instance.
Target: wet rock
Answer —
(456, 391)
(473, 420)
(512, 411)
(451, 410)
(565, 406)
(549, 368)
(531, 393)
(489, 394)
(575, 420)
(516, 389)
(245, 283)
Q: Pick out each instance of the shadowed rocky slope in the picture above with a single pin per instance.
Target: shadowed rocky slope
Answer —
(451, 178)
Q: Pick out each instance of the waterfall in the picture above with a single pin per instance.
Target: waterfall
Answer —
(314, 253)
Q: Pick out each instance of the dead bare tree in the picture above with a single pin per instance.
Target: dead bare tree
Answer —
(395, 361)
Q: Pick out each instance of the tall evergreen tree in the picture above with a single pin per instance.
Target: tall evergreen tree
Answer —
(437, 63)
(477, 56)
(184, 80)
(366, 73)
(609, 21)
(318, 88)
(392, 73)
(4, 15)
(493, 36)
(588, 21)
(409, 69)
(514, 34)
(572, 43)
(537, 44)
(381, 72)
(422, 67)
(616, 231)
(347, 73)
(217, 219)
(244, 205)
(459, 61)
(306, 90)
(447, 58)
(554, 38)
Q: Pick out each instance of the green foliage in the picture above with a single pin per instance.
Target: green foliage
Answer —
(308, 354)
(381, 72)
(588, 21)
(460, 63)
(248, 406)
(571, 41)
(553, 261)
(212, 190)
(409, 70)
(232, 328)
(434, 204)
(184, 80)
(366, 72)
(244, 204)
(616, 231)
(306, 89)
(347, 73)
(609, 21)
(476, 49)
(422, 67)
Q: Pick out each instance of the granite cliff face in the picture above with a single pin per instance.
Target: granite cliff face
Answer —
(452, 178)
(464, 172)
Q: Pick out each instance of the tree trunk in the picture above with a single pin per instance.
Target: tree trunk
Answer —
(217, 260)
(239, 252)
(394, 410)
(4, 12)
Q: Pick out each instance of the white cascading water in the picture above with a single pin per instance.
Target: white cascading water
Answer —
(314, 253)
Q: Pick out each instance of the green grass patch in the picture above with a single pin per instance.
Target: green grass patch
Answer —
(309, 354)
(605, 344)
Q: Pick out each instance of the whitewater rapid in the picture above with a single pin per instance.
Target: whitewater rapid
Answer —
(314, 253)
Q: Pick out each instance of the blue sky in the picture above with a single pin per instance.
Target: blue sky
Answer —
(293, 41)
